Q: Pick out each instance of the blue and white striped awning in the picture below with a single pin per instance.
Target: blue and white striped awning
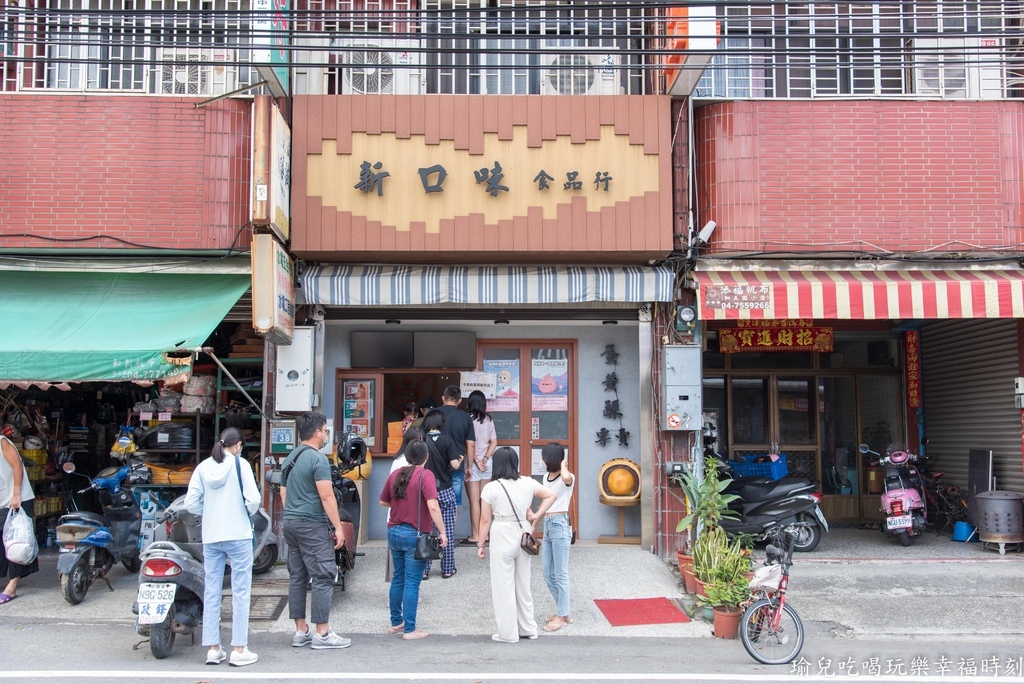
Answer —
(348, 285)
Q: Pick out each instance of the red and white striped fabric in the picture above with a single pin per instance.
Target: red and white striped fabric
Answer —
(860, 294)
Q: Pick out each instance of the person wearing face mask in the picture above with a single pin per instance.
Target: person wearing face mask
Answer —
(309, 505)
(223, 491)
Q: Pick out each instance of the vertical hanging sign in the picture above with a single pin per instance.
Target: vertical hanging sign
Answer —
(913, 365)
(270, 42)
(271, 168)
(273, 290)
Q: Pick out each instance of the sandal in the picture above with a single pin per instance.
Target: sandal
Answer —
(7, 598)
(554, 626)
(444, 576)
(566, 619)
(396, 629)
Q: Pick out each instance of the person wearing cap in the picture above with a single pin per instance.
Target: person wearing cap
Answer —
(427, 404)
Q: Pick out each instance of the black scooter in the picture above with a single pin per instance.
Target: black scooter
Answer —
(765, 506)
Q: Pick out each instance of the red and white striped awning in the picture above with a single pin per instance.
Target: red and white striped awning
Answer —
(860, 294)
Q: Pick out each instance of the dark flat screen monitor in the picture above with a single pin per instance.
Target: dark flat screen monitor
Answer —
(445, 349)
(382, 349)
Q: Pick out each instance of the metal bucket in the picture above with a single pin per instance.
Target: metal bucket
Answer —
(1000, 517)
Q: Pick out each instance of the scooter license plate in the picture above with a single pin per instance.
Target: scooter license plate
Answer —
(899, 522)
(154, 602)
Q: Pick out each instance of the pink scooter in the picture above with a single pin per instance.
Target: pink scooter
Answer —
(903, 501)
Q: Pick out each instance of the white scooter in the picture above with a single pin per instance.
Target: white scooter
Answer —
(172, 578)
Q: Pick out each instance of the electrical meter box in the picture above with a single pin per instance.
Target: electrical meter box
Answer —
(293, 389)
(681, 388)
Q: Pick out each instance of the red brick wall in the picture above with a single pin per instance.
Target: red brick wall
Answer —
(901, 176)
(154, 172)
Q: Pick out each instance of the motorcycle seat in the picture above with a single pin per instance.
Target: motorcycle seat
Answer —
(776, 488)
(85, 516)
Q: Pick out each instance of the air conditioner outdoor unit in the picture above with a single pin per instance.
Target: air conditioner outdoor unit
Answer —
(581, 73)
(373, 67)
(360, 66)
(196, 72)
(958, 68)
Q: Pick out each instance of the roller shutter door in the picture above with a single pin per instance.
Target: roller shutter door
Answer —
(967, 372)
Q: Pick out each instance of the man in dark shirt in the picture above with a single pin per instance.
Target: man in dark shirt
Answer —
(309, 505)
(459, 427)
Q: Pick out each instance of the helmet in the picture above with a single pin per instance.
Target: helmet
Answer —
(350, 450)
(33, 443)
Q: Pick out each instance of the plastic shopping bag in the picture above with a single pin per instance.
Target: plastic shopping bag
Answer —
(20, 542)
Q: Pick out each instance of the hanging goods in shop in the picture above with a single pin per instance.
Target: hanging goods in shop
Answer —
(124, 445)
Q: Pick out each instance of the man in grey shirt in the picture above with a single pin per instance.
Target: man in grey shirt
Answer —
(309, 504)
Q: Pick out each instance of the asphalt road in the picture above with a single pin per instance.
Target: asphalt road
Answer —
(940, 614)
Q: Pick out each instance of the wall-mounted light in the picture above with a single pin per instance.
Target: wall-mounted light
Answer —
(393, 321)
(501, 321)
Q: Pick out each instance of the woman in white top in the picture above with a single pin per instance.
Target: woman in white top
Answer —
(223, 491)
(480, 470)
(15, 492)
(557, 534)
(504, 501)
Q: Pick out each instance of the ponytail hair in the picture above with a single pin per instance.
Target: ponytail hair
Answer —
(415, 454)
(229, 437)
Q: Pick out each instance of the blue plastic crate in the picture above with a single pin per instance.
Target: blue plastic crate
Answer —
(773, 469)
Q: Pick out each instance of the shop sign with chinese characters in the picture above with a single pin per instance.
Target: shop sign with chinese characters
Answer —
(738, 297)
(913, 362)
(778, 335)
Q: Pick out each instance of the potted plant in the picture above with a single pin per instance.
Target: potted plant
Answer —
(708, 503)
(729, 588)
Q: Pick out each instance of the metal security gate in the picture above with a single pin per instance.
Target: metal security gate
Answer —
(967, 372)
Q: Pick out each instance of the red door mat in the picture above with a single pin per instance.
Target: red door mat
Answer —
(647, 611)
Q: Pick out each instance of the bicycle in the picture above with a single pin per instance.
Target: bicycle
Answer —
(770, 629)
(945, 501)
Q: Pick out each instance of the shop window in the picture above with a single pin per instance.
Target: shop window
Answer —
(879, 353)
(838, 423)
(772, 360)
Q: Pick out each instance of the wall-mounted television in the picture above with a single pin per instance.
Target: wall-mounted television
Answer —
(445, 349)
(381, 349)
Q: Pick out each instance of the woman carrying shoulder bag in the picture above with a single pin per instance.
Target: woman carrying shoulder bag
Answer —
(504, 502)
(411, 494)
(15, 492)
(223, 491)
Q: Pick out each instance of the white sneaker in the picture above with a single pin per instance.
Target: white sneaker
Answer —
(330, 640)
(246, 657)
(216, 656)
(300, 639)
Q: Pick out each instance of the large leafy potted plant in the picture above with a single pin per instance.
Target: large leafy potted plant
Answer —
(728, 588)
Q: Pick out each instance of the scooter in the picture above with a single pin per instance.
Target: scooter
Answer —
(903, 502)
(91, 544)
(765, 506)
(172, 578)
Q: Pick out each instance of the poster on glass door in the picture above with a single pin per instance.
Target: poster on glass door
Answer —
(550, 384)
(506, 384)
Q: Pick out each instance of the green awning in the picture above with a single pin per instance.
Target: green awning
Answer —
(85, 326)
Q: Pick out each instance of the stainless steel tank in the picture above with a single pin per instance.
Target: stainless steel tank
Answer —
(1000, 518)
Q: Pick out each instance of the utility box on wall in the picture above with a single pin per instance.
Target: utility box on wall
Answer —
(293, 391)
(681, 396)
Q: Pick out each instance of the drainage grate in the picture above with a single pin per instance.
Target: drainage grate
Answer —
(261, 607)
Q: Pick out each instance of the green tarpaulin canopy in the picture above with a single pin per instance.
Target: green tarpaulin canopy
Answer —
(81, 326)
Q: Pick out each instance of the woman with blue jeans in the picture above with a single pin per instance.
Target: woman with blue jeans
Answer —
(223, 491)
(411, 494)
(557, 534)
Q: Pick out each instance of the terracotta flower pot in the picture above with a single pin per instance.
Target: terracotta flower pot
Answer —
(699, 587)
(683, 560)
(690, 579)
(727, 621)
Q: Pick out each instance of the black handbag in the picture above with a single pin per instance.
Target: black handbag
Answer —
(428, 546)
(527, 542)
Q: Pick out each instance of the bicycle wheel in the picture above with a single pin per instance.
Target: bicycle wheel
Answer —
(765, 643)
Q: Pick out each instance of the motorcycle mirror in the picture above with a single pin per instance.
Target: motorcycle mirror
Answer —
(864, 448)
(68, 467)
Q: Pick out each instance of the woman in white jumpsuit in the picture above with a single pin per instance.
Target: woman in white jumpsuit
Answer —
(510, 565)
